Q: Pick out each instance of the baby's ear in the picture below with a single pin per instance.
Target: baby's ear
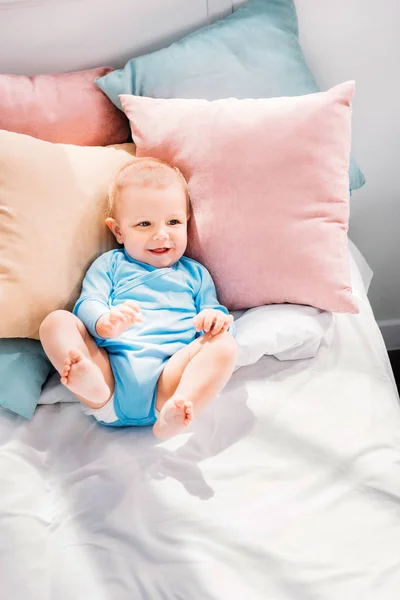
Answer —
(113, 225)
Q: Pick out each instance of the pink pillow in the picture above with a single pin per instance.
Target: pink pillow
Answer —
(269, 186)
(65, 108)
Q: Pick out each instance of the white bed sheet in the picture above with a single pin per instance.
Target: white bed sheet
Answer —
(286, 488)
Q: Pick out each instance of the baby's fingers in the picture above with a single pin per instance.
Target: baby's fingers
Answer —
(209, 321)
(228, 320)
(131, 314)
(218, 325)
(198, 322)
(116, 315)
(132, 304)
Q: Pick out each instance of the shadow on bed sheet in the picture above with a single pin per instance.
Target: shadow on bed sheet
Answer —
(221, 424)
(118, 509)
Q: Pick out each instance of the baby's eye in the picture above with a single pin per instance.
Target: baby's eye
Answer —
(173, 222)
(144, 224)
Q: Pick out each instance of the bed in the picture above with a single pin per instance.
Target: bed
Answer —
(287, 487)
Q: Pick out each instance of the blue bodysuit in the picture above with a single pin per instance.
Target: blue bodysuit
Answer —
(169, 299)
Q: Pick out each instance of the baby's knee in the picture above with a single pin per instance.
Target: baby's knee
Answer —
(53, 321)
(227, 346)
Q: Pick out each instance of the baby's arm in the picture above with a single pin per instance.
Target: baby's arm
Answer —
(212, 316)
(96, 290)
(93, 307)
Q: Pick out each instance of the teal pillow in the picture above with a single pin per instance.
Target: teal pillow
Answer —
(24, 367)
(253, 53)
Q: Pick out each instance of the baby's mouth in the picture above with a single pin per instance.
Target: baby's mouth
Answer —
(160, 250)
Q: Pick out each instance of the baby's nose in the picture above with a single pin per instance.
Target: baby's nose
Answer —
(161, 234)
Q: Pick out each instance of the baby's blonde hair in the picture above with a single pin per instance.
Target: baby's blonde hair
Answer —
(144, 172)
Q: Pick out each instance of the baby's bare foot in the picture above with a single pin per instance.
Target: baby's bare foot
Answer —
(175, 415)
(84, 378)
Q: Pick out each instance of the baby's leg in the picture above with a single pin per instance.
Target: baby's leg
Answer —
(191, 379)
(84, 367)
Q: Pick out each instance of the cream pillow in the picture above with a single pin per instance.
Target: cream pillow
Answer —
(51, 224)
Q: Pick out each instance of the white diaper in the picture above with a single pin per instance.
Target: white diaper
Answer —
(106, 413)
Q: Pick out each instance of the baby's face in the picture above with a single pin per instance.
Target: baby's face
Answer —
(151, 222)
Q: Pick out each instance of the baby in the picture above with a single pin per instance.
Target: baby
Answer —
(147, 342)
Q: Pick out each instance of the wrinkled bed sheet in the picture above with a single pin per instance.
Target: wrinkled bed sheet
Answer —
(286, 487)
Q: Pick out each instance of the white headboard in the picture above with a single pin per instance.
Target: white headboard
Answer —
(342, 39)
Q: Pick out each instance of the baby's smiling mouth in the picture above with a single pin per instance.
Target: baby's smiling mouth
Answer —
(160, 250)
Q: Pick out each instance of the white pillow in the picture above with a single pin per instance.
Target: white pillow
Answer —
(360, 272)
(53, 391)
(287, 331)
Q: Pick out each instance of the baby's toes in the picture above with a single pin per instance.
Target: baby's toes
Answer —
(180, 404)
(188, 412)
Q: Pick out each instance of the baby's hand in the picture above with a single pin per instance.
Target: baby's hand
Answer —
(213, 321)
(119, 319)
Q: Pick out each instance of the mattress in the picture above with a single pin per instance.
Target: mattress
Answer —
(286, 487)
